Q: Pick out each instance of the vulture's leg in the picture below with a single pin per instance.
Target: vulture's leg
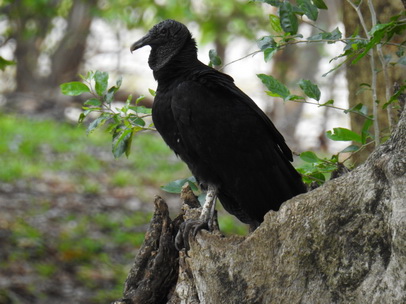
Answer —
(207, 214)
(205, 221)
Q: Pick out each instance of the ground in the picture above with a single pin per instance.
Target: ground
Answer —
(72, 217)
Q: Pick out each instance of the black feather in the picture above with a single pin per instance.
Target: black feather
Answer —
(216, 129)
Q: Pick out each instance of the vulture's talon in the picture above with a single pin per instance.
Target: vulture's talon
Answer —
(199, 225)
(184, 234)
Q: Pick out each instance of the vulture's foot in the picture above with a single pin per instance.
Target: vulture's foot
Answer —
(207, 220)
(190, 226)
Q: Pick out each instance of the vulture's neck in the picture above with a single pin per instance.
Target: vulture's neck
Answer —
(182, 64)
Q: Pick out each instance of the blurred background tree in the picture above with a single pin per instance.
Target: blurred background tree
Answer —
(49, 38)
(52, 41)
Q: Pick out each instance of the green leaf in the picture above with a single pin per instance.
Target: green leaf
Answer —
(109, 95)
(395, 96)
(268, 45)
(377, 33)
(350, 149)
(101, 79)
(141, 109)
(288, 18)
(309, 157)
(343, 134)
(266, 42)
(320, 4)
(215, 60)
(402, 60)
(294, 97)
(152, 92)
(359, 109)
(4, 63)
(275, 23)
(176, 186)
(276, 88)
(119, 82)
(137, 101)
(365, 130)
(318, 177)
(74, 88)
(88, 77)
(93, 102)
(380, 27)
(82, 116)
(310, 89)
(329, 102)
(97, 122)
(334, 35)
(309, 9)
(136, 121)
(122, 138)
(275, 3)
(268, 53)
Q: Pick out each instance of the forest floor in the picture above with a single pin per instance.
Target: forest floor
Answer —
(71, 216)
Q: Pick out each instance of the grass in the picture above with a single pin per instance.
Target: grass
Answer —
(66, 231)
(29, 148)
(92, 246)
(87, 248)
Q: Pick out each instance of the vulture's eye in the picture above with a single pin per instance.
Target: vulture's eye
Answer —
(164, 31)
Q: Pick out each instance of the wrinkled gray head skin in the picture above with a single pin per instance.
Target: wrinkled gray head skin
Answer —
(165, 39)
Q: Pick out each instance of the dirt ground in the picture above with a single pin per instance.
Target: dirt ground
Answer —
(58, 245)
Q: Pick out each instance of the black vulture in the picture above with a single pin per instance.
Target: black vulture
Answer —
(228, 143)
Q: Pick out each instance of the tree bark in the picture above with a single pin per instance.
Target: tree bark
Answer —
(344, 242)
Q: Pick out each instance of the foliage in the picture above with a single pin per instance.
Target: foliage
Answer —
(285, 32)
(48, 29)
(176, 186)
(4, 63)
(122, 122)
(215, 59)
(316, 169)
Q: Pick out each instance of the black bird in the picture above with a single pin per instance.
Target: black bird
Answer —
(229, 144)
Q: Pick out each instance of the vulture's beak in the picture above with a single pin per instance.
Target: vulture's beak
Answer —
(140, 43)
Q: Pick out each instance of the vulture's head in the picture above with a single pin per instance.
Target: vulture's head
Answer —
(166, 39)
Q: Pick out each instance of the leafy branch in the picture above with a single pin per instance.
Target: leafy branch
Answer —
(122, 121)
(284, 28)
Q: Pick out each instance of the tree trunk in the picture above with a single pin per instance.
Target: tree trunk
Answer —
(344, 242)
(36, 93)
(67, 58)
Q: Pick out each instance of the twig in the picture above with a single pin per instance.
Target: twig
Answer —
(292, 42)
(374, 74)
(373, 68)
(313, 25)
(384, 64)
(359, 150)
(332, 106)
(239, 59)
